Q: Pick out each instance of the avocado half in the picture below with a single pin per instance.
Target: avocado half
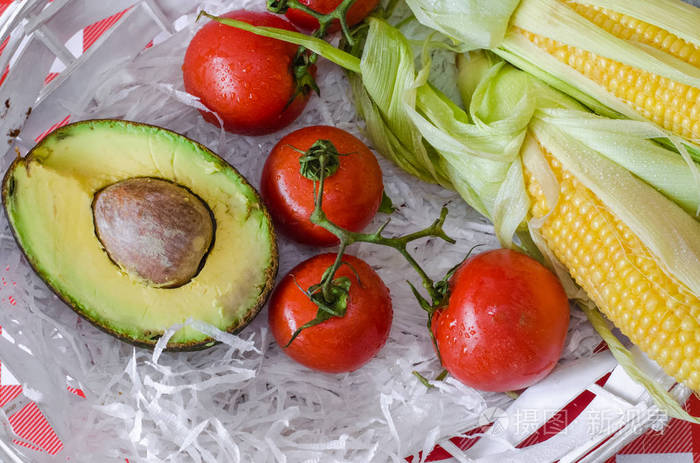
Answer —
(48, 197)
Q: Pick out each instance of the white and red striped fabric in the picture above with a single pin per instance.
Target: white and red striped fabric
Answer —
(678, 442)
(79, 44)
(30, 424)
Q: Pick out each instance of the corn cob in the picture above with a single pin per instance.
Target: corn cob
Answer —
(672, 105)
(661, 98)
(620, 274)
(631, 29)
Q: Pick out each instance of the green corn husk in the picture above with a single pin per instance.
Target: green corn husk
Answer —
(554, 19)
(385, 97)
(452, 18)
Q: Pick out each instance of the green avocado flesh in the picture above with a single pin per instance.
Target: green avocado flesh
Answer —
(48, 197)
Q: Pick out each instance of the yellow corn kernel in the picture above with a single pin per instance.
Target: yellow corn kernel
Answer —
(631, 29)
(672, 105)
(658, 313)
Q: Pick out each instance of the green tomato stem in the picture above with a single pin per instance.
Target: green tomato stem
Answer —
(324, 19)
(303, 60)
(310, 162)
(346, 237)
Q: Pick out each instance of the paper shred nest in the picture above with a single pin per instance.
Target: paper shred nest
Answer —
(244, 400)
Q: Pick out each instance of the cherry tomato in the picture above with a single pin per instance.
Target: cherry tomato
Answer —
(339, 344)
(245, 78)
(357, 12)
(505, 324)
(351, 196)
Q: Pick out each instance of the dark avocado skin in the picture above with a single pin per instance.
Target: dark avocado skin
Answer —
(270, 272)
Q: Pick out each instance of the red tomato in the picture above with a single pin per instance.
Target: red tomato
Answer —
(357, 12)
(339, 344)
(505, 324)
(351, 196)
(245, 78)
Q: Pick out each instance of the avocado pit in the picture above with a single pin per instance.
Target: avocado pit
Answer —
(153, 229)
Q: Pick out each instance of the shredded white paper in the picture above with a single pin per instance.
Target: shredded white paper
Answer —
(244, 400)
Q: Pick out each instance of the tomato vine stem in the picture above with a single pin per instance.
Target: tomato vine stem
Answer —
(303, 60)
(346, 237)
(324, 19)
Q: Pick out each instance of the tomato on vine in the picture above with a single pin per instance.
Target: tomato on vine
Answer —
(255, 84)
(333, 312)
(248, 80)
(504, 325)
(338, 343)
(353, 183)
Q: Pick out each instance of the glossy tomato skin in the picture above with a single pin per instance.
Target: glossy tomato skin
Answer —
(338, 344)
(505, 324)
(351, 196)
(357, 12)
(245, 78)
